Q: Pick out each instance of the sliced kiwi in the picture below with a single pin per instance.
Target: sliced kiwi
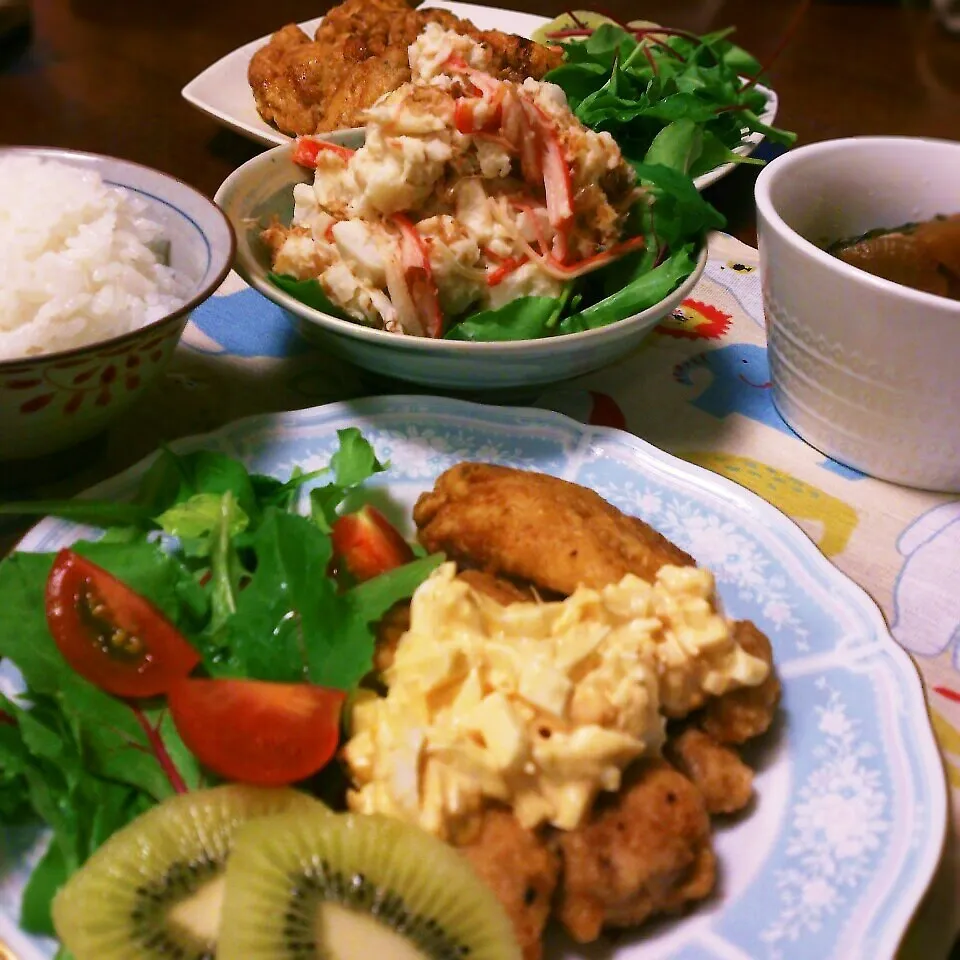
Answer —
(582, 18)
(353, 887)
(569, 21)
(155, 888)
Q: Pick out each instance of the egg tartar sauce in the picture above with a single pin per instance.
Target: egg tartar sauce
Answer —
(539, 706)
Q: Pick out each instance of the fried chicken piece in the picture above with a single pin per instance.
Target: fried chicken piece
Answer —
(745, 713)
(533, 527)
(396, 621)
(512, 57)
(361, 87)
(496, 588)
(288, 78)
(521, 870)
(359, 52)
(645, 850)
(723, 779)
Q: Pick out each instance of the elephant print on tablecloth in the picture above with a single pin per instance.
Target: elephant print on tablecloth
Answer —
(930, 547)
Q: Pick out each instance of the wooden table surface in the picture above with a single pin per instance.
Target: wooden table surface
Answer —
(106, 75)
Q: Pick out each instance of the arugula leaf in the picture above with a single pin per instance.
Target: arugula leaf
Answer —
(634, 90)
(753, 122)
(679, 213)
(226, 573)
(162, 485)
(292, 625)
(282, 608)
(51, 750)
(677, 146)
(206, 471)
(309, 292)
(354, 462)
(345, 663)
(201, 514)
(271, 492)
(644, 292)
(526, 318)
(715, 153)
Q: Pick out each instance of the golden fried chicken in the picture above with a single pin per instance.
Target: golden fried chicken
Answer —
(534, 527)
(746, 713)
(289, 80)
(358, 53)
(645, 850)
(723, 779)
(521, 870)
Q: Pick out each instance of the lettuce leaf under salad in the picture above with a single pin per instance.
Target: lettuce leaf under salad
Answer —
(231, 561)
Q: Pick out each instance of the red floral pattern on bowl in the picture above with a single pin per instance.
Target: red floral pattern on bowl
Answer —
(56, 401)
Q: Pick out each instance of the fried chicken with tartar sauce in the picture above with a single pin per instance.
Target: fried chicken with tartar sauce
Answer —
(741, 715)
(646, 848)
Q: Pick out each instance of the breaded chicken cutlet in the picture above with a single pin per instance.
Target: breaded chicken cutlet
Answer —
(306, 86)
(537, 528)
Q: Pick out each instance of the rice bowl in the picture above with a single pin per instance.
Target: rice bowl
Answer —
(81, 260)
(57, 398)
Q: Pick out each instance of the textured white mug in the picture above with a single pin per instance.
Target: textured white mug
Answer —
(865, 370)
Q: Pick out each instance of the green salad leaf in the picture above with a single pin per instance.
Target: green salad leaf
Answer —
(648, 288)
(526, 318)
(309, 292)
(243, 576)
(681, 96)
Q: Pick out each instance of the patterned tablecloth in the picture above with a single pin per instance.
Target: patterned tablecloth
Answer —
(699, 388)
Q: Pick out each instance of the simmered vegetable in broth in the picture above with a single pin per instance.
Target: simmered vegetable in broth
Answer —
(925, 256)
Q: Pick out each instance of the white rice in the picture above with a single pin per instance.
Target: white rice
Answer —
(77, 260)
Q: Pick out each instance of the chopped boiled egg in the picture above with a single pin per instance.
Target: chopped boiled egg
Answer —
(537, 705)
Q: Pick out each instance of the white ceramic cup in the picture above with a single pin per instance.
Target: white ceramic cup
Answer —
(865, 370)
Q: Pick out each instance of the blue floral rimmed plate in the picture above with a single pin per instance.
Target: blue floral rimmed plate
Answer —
(850, 819)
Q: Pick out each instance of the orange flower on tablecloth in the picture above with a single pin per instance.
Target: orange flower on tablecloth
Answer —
(695, 320)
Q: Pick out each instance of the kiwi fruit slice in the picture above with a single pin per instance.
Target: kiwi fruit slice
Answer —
(354, 887)
(155, 888)
(566, 21)
(582, 18)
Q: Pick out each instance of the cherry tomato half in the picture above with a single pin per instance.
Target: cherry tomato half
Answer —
(109, 634)
(366, 544)
(268, 734)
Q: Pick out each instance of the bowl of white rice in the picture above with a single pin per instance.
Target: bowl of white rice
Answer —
(101, 263)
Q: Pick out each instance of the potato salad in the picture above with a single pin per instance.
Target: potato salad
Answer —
(469, 192)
